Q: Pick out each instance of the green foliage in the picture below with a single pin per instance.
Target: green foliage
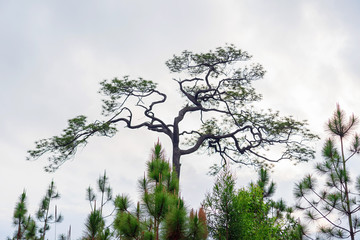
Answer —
(103, 187)
(219, 206)
(176, 222)
(64, 146)
(197, 221)
(128, 226)
(43, 214)
(162, 213)
(338, 197)
(95, 223)
(118, 90)
(196, 64)
(263, 181)
(253, 222)
(122, 203)
(25, 226)
(244, 213)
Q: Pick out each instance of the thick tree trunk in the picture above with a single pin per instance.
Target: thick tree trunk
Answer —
(176, 161)
(175, 143)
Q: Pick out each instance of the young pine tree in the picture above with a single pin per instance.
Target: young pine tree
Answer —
(161, 213)
(95, 227)
(43, 214)
(197, 221)
(247, 213)
(223, 221)
(25, 225)
(337, 201)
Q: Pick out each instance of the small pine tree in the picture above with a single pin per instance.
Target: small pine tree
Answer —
(336, 201)
(246, 213)
(25, 225)
(43, 214)
(197, 225)
(219, 206)
(161, 213)
(94, 225)
(279, 214)
(95, 222)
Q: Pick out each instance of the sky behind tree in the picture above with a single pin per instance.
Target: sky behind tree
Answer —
(54, 54)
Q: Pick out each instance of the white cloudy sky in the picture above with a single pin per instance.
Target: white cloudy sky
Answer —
(53, 54)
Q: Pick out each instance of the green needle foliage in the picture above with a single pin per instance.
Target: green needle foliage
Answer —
(245, 213)
(43, 214)
(96, 228)
(268, 188)
(25, 226)
(337, 201)
(103, 187)
(161, 213)
(223, 221)
(20, 215)
(197, 221)
(279, 215)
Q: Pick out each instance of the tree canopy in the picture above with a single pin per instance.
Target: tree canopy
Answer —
(215, 86)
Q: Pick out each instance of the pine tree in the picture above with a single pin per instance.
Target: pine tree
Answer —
(246, 213)
(94, 225)
(223, 221)
(336, 201)
(43, 214)
(161, 214)
(95, 222)
(197, 221)
(217, 87)
(25, 225)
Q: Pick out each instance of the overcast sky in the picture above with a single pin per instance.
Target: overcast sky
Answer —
(53, 54)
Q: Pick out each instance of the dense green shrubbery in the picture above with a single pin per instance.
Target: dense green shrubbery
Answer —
(248, 213)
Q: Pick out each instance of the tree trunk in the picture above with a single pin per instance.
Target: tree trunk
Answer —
(346, 192)
(176, 160)
(176, 150)
(19, 230)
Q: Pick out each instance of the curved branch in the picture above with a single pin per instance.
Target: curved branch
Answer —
(204, 137)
